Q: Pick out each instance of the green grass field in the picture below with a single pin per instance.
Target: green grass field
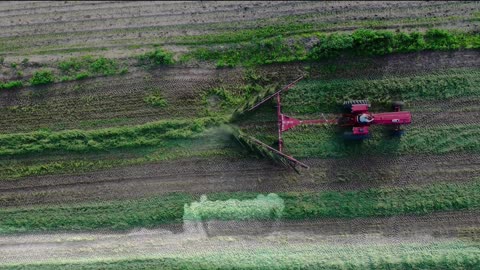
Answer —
(119, 117)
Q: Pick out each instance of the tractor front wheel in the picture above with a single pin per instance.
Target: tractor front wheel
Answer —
(398, 133)
(349, 136)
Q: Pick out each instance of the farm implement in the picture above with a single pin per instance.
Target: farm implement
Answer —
(355, 120)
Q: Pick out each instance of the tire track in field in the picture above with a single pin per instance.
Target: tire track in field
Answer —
(140, 17)
(201, 176)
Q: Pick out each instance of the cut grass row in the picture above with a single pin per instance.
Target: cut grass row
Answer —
(211, 143)
(174, 150)
(150, 134)
(169, 208)
(326, 141)
(311, 141)
(440, 255)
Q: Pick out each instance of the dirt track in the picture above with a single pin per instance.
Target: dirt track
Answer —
(199, 176)
(220, 236)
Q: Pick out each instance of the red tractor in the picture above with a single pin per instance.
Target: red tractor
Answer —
(360, 119)
(356, 118)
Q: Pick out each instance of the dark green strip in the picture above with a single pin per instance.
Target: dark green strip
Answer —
(169, 208)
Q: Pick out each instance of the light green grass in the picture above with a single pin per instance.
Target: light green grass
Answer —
(262, 207)
(439, 255)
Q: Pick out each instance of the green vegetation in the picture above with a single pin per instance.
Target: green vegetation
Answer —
(11, 84)
(65, 78)
(325, 141)
(42, 77)
(103, 66)
(72, 64)
(262, 28)
(157, 57)
(382, 202)
(123, 71)
(451, 255)
(288, 26)
(236, 100)
(102, 139)
(298, 205)
(156, 99)
(436, 39)
(262, 207)
(113, 215)
(226, 98)
(170, 150)
(361, 42)
(82, 75)
(25, 62)
(313, 96)
(371, 42)
(249, 144)
(256, 52)
(82, 67)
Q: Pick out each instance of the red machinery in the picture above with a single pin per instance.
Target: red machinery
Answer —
(356, 116)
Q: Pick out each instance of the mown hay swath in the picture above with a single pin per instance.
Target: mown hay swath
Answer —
(264, 150)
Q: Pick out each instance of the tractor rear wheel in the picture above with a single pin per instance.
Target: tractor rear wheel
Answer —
(398, 104)
(347, 105)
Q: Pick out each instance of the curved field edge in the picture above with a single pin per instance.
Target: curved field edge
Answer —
(149, 212)
(440, 255)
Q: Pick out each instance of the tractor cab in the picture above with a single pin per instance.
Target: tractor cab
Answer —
(365, 118)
